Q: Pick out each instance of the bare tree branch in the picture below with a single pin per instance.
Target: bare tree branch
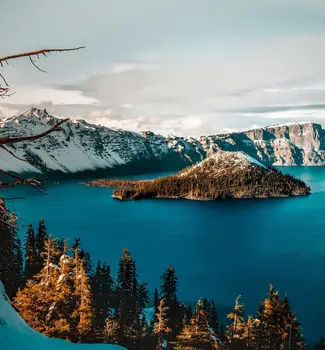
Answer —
(8, 139)
(19, 158)
(36, 53)
(5, 92)
(20, 181)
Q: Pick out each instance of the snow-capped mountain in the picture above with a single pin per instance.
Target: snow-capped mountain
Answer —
(16, 334)
(79, 146)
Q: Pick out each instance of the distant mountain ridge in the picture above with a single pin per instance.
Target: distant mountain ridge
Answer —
(83, 147)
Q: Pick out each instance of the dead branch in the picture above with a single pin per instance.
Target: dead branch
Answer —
(19, 158)
(8, 139)
(20, 181)
(4, 91)
(36, 53)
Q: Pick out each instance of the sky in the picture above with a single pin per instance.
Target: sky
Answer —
(182, 67)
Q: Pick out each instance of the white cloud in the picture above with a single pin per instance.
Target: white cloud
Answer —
(202, 94)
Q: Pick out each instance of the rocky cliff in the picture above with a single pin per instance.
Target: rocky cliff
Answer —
(83, 147)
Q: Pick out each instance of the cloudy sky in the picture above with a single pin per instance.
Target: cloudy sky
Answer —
(187, 67)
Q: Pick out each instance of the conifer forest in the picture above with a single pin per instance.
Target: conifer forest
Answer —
(60, 292)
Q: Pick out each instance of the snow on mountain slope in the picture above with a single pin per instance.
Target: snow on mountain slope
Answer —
(79, 146)
(228, 162)
(15, 334)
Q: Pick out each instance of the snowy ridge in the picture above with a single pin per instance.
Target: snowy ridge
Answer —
(16, 334)
(227, 160)
(79, 146)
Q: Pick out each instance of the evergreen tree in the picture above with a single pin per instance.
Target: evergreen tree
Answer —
(6, 246)
(85, 256)
(128, 309)
(58, 301)
(161, 328)
(83, 312)
(142, 295)
(18, 265)
(36, 301)
(292, 337)
(59, 247)
(87, 262)
(11, 261)
(236, 330)
(103, 290)
(16, 260)
(250, 332)
(213, 318)
(210, 308)
(30, 254)
(169, 293)
(197, 334)
(277, 326)
(156, 302)
(40, 240)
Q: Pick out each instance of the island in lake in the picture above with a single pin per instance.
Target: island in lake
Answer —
(221, 176)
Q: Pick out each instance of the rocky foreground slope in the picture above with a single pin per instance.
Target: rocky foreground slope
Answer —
(80, 146)
(222, 175)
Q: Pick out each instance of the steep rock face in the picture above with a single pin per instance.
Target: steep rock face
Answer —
(83, 147)
(220, 176)
(283, 144)
(290, 144)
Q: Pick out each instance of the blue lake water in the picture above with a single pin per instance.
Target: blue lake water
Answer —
(219, 248)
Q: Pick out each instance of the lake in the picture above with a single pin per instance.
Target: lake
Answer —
(219, 248)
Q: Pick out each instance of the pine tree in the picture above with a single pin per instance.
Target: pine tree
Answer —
(161, 328)
(58, 300)
(213, 318)
(84, 307)
(11, 262)
(197, 334)
(18, 265)
(16, 260)
(277, 326)
(128, 309)
(103, 290)
(249, 335)
(236, 330)
(40, 240)
(65, 298)
(142, 295)
(30, 254)
(169, 293)
(36, 301)
(156, 302)
(6, 246)
(292, 337)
